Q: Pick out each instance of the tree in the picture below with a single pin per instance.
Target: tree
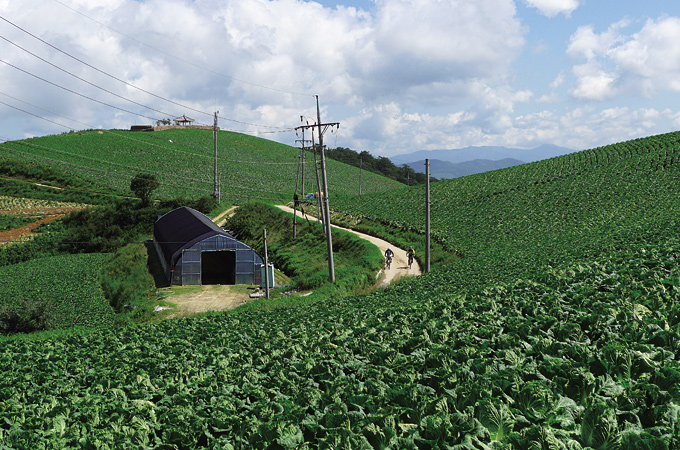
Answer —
(143, 185)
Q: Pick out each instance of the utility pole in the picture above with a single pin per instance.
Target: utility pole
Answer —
(427, 215)
(361, 165)
(318, 188)
(215, 191)
(266, 264)
(303, 153)
(322, 127)
(296, 199)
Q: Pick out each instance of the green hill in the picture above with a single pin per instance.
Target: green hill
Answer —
(559, 329)
(183, 160)
(509, 222)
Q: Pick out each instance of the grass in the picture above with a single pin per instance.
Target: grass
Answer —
(304, 258)
(183, 161)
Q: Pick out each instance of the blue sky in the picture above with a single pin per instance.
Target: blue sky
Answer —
(398, 75)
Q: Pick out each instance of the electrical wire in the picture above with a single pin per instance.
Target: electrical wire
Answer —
(125, 82)
(76, 93)
(164, 147)
(82, 79)
(133, 169)
(180, 59)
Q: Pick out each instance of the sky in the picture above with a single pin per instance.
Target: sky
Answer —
(397, 75)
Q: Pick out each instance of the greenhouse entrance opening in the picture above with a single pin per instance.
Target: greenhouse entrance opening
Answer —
(218, 267)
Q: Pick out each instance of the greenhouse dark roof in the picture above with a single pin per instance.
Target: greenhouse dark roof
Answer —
(182, 228)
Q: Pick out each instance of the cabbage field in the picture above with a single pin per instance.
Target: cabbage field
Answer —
(53, 292)
(558, 329)
(183, 161)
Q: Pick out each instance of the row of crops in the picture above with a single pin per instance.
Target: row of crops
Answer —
(558, 329)
(507, 222)
(184, 161)
(17, 205)
(578, 357)
(53, 292)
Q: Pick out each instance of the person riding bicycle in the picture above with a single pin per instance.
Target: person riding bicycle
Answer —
(389, 254)
(410, 254)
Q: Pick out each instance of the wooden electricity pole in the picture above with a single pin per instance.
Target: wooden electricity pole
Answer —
(215, 189)
(266, 264)
(427, 215)
(322, 128)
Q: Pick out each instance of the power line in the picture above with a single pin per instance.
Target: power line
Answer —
(125, 82)
(34, 115)
(127, 137)
(164, 175)
(76, 93)
(180, 59)
(82, 79)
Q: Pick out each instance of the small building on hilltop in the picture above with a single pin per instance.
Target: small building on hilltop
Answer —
(193, 250)
(183, 121)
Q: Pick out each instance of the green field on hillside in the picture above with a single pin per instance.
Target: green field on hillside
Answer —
(53, 292)
(558, 329)
(508, 222)
(183, 161)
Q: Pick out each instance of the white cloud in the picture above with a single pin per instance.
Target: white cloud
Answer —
(585, 42)
(593, 83)
(642, 63)
(650, 59)
(408, 75)
(552, 8)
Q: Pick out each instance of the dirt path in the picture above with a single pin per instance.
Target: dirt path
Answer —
(189, 300)
(26, 232)
(221, 219)
(399, 262)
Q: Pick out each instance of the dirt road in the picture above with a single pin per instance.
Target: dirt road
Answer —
(196, 299)
(399, 262)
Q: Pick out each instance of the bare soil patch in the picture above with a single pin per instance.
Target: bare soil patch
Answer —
(27, 231)
(189, 300)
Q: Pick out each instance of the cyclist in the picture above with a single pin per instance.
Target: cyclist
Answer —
(389, 254)
(410, 254)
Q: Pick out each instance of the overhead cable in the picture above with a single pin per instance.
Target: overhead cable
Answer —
(84, 80)
(129, 84)
(180, 59)
(76, 93)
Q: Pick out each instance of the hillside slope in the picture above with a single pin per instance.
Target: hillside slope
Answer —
(183, 160)
(559, 329)
(510, 221)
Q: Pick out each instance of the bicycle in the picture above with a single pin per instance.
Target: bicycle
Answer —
(388, 262)
(410, 260)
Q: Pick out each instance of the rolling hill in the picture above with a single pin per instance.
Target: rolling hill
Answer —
(183, 160)
(559, 328)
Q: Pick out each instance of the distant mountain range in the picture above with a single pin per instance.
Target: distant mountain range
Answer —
(470, 160)
(444, 169)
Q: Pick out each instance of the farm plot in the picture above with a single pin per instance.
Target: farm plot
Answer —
(59, 291)
(183, 160)
(35, 207)
(507, 222)
(582, 356)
